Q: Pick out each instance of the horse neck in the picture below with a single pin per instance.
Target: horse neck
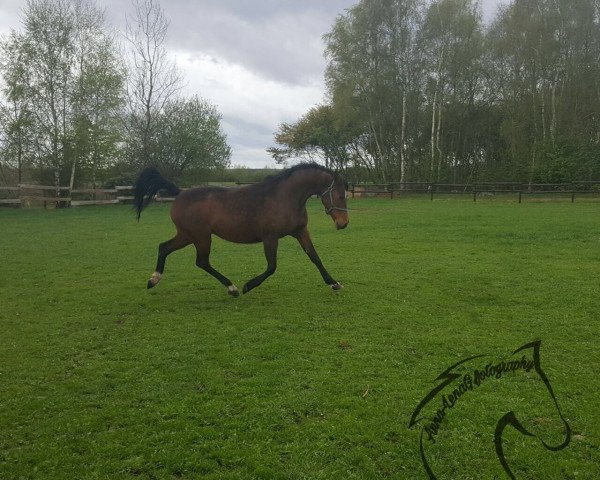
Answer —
(304, 184)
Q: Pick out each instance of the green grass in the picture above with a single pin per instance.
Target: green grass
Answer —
(102, 379)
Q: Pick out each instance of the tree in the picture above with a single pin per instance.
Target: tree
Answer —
(189, 137)
(98, 126)
(15, 114)
(98, 97)
(317, 135)
(431, 95)
(356, 49)
(153, 79)
(47, 47)
(373, 80)
(66, 77)
(544, 66)
(452, 42)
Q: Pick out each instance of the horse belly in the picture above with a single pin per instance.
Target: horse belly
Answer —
(237, 237)
(235, 231)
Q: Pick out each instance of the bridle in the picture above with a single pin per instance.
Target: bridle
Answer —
(332, 207)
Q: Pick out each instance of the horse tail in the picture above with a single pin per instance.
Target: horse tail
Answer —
(147, 186)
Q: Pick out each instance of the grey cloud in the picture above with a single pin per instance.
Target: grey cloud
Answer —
(278, 39)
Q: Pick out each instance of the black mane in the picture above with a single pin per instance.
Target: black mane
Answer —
(288, 172)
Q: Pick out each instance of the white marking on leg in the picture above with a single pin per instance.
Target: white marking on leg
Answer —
(232, 290)
(155, 278)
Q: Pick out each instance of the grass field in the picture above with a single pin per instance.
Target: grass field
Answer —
(103, 379)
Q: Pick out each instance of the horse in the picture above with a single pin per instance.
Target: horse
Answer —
(475, 394)
(262, 212)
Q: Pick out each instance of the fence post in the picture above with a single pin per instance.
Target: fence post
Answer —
(431, 189)
(474, 195)
(520, 193)
(573, 196)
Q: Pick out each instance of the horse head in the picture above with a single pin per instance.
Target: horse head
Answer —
(334, 201)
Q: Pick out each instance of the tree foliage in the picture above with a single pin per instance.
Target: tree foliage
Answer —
(189, 136)
(152, 81)
(63, 85)
(74, 107)
(425, 91)
(318, 135)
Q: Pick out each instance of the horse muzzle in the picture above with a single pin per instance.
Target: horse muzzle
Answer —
(341, 224)
(339, 217)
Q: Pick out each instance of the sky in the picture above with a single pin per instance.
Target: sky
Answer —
(260, 62)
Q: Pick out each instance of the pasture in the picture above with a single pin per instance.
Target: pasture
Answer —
(103, 379)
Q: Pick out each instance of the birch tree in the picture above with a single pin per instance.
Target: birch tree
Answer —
(452, 42)
(48, 46)
(372, 71)
(98, 95)
(65, 83)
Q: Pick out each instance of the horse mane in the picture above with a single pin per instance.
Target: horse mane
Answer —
(272, 180)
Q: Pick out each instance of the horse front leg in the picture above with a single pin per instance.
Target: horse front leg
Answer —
(303, 238)
(270, 246)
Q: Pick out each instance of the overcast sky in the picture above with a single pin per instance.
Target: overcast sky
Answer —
(259, 61)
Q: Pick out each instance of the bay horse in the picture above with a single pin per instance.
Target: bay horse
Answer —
(262, 212)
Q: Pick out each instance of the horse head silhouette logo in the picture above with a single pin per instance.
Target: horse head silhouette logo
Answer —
(452, 385)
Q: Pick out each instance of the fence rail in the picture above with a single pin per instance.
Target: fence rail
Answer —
(475, 190)
(26, 195)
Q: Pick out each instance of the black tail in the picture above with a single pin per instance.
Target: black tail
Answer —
(147, 186)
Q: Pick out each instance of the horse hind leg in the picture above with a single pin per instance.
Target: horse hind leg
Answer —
(202, 261)
(164, 249)
(270, 248)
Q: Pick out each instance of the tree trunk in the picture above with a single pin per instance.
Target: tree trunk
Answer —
(433, 112)
(543, 108)
(535, 137)
(94, 166)
(57, 185)
(20, 158)
(72, 179)
(379, 165)
(553, 121)
(402, 140)
(437, 140)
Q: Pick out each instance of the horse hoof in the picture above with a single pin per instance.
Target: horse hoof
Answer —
(337, 286)
(246, 289)
(233, 291)
(154, 279)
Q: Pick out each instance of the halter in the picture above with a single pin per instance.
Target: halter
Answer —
(332, 207)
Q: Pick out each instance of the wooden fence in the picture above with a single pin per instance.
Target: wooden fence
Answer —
(519, 190)
(46, 196)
